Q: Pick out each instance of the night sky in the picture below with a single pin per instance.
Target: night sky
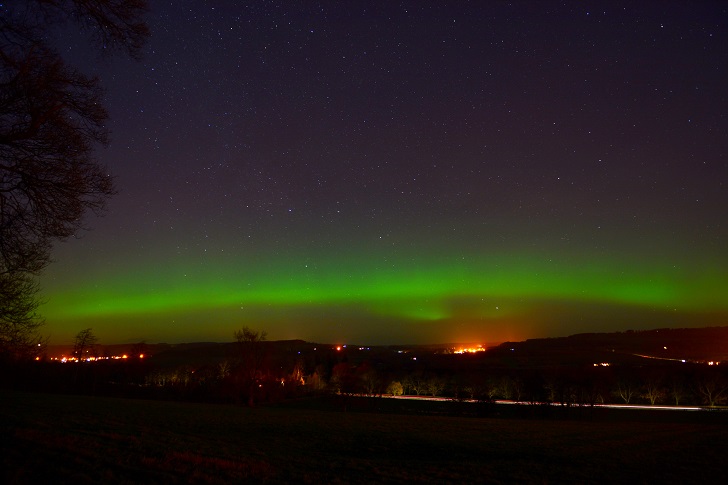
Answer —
(407, 172)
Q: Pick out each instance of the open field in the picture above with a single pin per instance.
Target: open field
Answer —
(75, 439)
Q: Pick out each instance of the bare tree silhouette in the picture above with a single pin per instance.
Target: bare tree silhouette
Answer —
(52, 119)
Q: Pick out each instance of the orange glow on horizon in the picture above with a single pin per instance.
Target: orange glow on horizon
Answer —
(470, 350)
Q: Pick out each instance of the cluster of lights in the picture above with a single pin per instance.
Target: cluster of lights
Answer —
(602, 364)
(470, 350)
(339, 348)
(63, 359)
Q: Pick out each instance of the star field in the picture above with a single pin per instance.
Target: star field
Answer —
(408, 172)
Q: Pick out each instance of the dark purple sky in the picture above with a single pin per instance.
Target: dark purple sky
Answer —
(408, 171)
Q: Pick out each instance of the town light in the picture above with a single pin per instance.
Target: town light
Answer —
(470, 350)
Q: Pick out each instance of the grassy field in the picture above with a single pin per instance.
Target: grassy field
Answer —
(79, 440)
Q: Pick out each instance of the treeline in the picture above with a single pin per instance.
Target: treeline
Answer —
(255, 371)
(687, 384)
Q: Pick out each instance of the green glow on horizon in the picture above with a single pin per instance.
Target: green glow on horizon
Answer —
(418, 287)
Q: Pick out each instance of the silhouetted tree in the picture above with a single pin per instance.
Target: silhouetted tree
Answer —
(490, 388)
(315, 381)
(83, 347)
(414, 383)
(368, 379)
(182, 376)
(460, 387)
(435, 385)
(712, 385)
(407, 385)
(533, 388)
(560, 387)
(84, 343)
(343, 380)
(471, 390)
(19, 322)
(223, 369)
(51, 120)
(625, 390)
(511, 387)
(395, 388)
(297, 372)
(653, 389)
(677, 388)
(251, 355)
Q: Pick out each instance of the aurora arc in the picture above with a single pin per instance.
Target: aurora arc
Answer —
(421, 288)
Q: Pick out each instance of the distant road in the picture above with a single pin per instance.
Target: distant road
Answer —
(611, 406)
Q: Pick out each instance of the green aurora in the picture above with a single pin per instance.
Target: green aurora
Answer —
(500, 296)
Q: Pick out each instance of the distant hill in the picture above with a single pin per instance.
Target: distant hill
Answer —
(641, 347)
(658, 345)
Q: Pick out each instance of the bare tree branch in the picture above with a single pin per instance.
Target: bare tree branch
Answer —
(52, 119)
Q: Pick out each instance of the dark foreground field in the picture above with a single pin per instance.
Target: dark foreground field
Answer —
(79, 440)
